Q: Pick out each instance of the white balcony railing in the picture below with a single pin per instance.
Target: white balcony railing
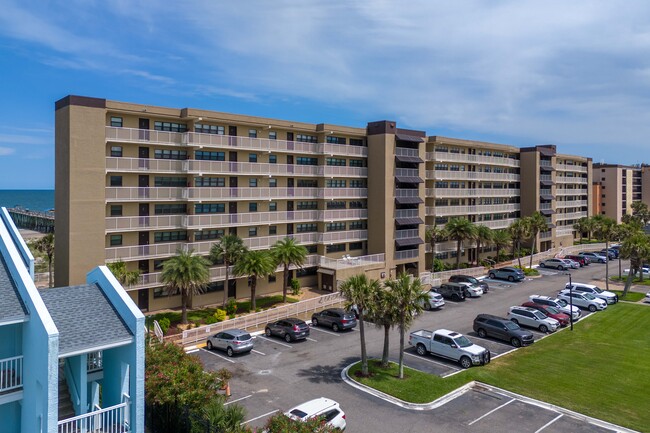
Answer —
(473, 192)
(571, 215)
(114, 419)
(473, 159)
(410, 172)
(407, 254)
(11, 373)
(194, 194)
(570, 191)
(406, 213)
(570, 167)
(404, 151)
(95, 361)
(466, 210)
(571, 203)
(471, 175)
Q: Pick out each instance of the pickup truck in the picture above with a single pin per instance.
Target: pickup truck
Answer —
(451, 345)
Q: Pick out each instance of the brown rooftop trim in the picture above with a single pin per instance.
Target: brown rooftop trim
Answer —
(411, 132)
(381, 127)
(82, 101)
(409, 138)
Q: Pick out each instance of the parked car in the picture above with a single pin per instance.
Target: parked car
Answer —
(434, 301)
(582, 260)
(472, 291)
(560, 304)
(290, 329)
(551, 312)
(611, 255)
(571, 263)
(231, 341)
(534, 318)
(647, 297)
(559, 264)
(330, 410)
(583, 300)
(471, 280)
(453, 291)
(508, 273)
(609, 297)
(487, 325)
(595, 258)
(335, 318)
(451, 345)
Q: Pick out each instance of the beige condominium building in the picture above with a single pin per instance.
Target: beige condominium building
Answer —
(616, 187)
(137, 183)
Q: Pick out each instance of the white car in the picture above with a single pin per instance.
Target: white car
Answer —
(533, 318)
(560, 304)
(647, 297)
(583, 300)
(609, 297)
(328, 409)
(571, 263)
(434, 300)
(472, 290)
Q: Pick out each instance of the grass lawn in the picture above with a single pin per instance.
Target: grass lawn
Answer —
(631, 296)
(635, 280)
(601, 369)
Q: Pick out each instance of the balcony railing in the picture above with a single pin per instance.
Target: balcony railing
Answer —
(407, 254)
(344, 236)
(406, 234)
(130, 135)
(572, 215)
(95, 361)
(11, 373)
(406, 213)
(569, 167)
(167, 193)
(403, 151)
(471, 175)
(411, 172)
(571, 203)
(474, 159)
(407, 192)
(479, 209)
(564, 231)
(571, 180)
(471, 192)
(571, 191)
(114, 419)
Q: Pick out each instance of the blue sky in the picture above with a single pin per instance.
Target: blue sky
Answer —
(576, 74)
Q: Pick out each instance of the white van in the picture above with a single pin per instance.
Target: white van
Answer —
(329, 409)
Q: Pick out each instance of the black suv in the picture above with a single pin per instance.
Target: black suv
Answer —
(487, 325)
(453, 291)
(471, 280)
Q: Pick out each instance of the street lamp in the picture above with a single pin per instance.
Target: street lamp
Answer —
(570, 301)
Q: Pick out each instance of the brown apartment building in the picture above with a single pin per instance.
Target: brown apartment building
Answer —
(137, 183)
(615, 187)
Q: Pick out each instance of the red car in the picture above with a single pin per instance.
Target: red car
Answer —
(580, 259)
(550, 312)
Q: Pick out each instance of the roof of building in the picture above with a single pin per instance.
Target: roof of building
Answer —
(85, 318)
(12, 307)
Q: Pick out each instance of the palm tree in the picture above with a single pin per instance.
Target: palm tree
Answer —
(641, 212)
(409, 299)
(220, 418)
(45, 245)
(385, 314)
(230, 249)
(635, 247)
(122, 274)
(536, 223)
(606, 230)
(500, 239)
(433, 235)
(460, 229)
(287, 253)
(581, 226)
(589, 227)
(359, 291)
(187, 274)
(255, 264)
(518, 232)
(484, 235)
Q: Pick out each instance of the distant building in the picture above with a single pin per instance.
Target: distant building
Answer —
(616, 187)
(71, 358)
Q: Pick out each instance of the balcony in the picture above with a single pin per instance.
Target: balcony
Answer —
(571, 203)
(109, 420)
(403, 151)
(470, 175)
(564, 231)
(407, 192)
(406, 234)
(11, 374)
(343, 236)
(473, 159)
(571, 191)
(571, 180)
(570, 167)
(470, 192)
(477, 209)
(407, 254)
(571, 216)
(497, 224)
(407, 172)
(407, 213)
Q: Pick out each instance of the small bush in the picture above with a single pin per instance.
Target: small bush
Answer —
(231, 316)
(258, 309)
(295, 286)
(438, 265)
(164, 324)
(209, 320)
(220, 315)
(231, 307)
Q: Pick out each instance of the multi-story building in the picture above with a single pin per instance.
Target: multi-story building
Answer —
(137, 183)
(72, 358)
(616, 187)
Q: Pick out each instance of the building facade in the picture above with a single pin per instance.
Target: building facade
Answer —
(616, 187)
(137, 183)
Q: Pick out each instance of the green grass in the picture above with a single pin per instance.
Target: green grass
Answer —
(600, 369)
(635, 280)
(631, 296)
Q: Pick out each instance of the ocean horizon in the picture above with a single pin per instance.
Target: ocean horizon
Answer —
(33, 199)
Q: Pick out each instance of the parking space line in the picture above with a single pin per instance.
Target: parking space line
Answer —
(549, 423)
(259, 353)
(276, 342)
(430, 360)
(311, 339)
(258, 417)
(491, 412)
(218, 356)
(327, 332)
(239, 399)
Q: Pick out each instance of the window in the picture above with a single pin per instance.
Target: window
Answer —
(116, 180)
(273, 230)
(273, 182)
(209, 156)
(116, 151)
(252, 157)
(209, 129)
(273, 206)
(215, 286)
(339, 162)
(210, 181)
(170, 154)
(307, 227)
(355, 204)
(311, 249)
(335, 227)
(116, 122)
(169, 181)
(170, 126)
(303, 160)
(307, 183)
(116, 210)
(357, 163)
(252, 133)
(116, 240)
(273, 159)
(307, 205)
(306, 138)
(335, 248)
(252, 182)
(169, 236)
(335, 140)
(170, 209)
(333, 204)
(210, 208)
(357, 142)
(358, 225)
(252, 231)
(304, 272)
(206, 235)
(273, 135)
(252, 207)
(335, 183)
(357, 183)
(355, 246)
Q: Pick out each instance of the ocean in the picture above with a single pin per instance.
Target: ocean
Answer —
(32, 199)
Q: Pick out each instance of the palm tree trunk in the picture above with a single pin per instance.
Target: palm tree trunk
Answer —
(225, 289)
(49, 271)
(619, 267)
(433, 256)
(478, 250)
(184, 306)
(401, 349)
(384, 355)
(362, 337)
(532, 251)
(253, 290)
(628, 282)
(458, 242)
(519, 253)
(285, 277)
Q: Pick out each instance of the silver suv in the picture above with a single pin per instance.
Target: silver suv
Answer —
(561, 305)
(533, 318)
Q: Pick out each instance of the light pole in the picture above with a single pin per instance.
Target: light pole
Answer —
(570, 301)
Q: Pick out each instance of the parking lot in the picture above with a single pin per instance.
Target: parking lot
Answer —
(278, 375)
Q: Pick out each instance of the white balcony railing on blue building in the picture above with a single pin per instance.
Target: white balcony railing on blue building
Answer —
(11, 373)
(114, 419)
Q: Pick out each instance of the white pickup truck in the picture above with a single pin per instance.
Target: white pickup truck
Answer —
(451, 345)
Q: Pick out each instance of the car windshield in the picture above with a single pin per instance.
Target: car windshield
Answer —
(561, 302)
(598, 290)
(462, 341)
(298, 413)
(539, 315)
(472, 280)
(552, 310)
(512, 326)
(589, 296)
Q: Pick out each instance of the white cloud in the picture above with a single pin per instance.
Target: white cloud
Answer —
(6, 151)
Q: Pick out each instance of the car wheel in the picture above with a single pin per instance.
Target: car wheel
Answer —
(482, 333)
(465, 362)
(542, 265)
(427, 306)
(592, 308)
(515, 342)
(515, 321)
(560, 268)
(455, 297)
(420, 349)
(230, 352)
(511, 279)
(287, 338)
(209, 345)
(492, 275)
(335, 327)
(314, 322)
(543, 328)
(267, 332)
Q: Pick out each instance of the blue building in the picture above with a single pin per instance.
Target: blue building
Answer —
(71, 358)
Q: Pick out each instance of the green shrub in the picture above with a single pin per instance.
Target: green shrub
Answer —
(209, 320)
(220, 315)
(295, 286)
(231, 307)
(164, 324)
(231, 316)
(438, 265)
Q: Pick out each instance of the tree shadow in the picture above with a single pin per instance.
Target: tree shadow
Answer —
(326, 373)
